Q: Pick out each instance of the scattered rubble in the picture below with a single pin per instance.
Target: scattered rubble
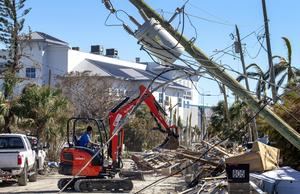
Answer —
(205, 171)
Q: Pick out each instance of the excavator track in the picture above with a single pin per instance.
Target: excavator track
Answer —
(62, 182)
(112, 185)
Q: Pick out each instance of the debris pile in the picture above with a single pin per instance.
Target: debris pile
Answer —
(210, 168)
(191, 163)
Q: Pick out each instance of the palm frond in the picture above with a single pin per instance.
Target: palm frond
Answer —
(289, 48)
(257, 68)
(279, 83)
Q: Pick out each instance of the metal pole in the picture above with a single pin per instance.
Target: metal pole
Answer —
(216, 71)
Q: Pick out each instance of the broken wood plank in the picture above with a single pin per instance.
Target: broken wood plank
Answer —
(141, 163)
(197, 158)
(218, 148)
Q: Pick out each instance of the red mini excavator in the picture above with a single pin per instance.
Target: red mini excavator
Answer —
(99, 173)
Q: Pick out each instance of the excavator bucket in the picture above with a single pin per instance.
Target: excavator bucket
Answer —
(171, 143)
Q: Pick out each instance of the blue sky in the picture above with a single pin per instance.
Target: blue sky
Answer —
(81, 23)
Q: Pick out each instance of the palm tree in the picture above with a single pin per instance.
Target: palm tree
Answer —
(218, 120)
(6, 113)
(284, 69)
(261, 79)
(45, 107)
(239, 117)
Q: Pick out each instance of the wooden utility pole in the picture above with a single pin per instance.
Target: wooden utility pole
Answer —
(226, 111)
(242, 56)
(252, 128)
(271, 67)
(216, 71)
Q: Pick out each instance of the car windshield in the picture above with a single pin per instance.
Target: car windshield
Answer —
(11, 143)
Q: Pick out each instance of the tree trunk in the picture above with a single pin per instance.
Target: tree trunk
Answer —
(39, 131)
(7, 122)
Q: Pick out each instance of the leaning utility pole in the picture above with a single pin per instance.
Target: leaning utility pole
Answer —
(271, 67)
(240, 49)
(252, 128)
(216, 71)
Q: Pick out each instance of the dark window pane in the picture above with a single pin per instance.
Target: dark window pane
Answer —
(11, 143)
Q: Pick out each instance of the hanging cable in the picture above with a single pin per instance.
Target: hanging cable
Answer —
(260, 48)
(119, 126)
(195, 30)
(199, 158)
(224, 22)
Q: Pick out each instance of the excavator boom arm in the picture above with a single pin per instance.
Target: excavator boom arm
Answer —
(124, 108)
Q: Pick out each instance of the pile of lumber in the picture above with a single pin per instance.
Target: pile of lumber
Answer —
(202, 165)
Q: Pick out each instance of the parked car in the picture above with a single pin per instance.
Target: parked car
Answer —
(40, 153)
(17, 159)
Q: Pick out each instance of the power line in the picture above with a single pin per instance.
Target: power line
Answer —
(208, 13)
(198, 160)
(230, 46)
(223, 66)
(258, 37)
(202, 18)
(209, 20)
(195, 29)
(214, 79)
(117, 128)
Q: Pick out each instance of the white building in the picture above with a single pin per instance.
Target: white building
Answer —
(49, 57)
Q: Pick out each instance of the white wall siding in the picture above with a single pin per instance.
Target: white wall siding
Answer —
(57, 62)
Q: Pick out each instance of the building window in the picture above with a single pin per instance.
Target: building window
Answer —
(30, 72)
(167, 101)
(160, 98)
(179, 102)
(188, 95)
(186, 104)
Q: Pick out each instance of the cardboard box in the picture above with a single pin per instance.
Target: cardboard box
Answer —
(261, 158)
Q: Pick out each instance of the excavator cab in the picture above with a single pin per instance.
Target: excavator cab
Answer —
(73, 157)
(77, 126)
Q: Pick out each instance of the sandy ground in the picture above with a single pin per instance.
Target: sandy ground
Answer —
(48, 184)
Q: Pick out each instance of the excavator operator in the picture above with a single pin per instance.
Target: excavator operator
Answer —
(85, 138)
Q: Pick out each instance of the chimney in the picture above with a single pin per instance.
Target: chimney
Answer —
(97, 49)
(76, 48)
(113, 53)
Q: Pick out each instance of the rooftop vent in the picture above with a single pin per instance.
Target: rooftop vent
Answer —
(76, 48)
(112, 53)
(137, 59)
(97, 49)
